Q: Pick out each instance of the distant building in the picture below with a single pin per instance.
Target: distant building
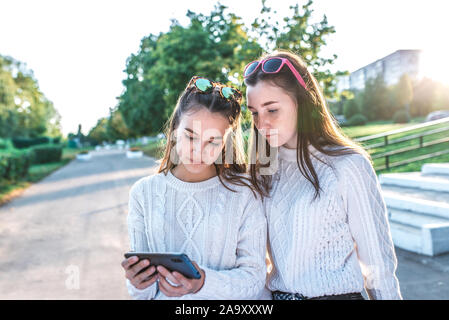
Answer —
(392, 67)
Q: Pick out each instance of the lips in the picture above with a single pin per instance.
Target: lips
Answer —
(192, 162)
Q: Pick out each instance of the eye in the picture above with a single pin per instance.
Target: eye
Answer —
(214, 144)
(272, 111)
(254, 113)
(190, 138)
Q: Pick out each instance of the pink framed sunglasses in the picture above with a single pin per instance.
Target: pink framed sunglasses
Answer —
(272, 65)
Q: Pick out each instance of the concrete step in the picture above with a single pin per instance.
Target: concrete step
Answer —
(416, 180)
(406, 237)
(430, 240)
(435, 168)
(417, 200)
(415, 219)
(418, 208)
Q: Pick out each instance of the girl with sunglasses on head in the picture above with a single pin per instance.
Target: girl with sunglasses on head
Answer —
(201, 203)
(329, 235)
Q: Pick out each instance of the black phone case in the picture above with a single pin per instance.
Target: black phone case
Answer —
(179, 262)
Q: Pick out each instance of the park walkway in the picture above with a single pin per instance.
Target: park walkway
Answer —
(71, 223)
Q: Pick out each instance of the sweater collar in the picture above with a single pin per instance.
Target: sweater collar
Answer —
(189, 186)
(290, 154)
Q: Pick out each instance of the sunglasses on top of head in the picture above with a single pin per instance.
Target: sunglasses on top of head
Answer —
(273, 65)
(206, 86)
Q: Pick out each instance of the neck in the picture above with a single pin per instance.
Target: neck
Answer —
(292, 143)
(183, 174)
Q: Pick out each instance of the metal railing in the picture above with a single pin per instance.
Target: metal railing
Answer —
(387, 141)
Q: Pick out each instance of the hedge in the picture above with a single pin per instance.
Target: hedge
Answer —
(3, 144)
(15, 166)
(46, 154)
(356, 120)
(22, 143)
(401, 116)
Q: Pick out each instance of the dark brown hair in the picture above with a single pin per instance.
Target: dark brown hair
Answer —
(315, 123)
(191, 100)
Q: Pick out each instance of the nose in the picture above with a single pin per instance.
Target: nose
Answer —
(263, 124)
(198, 151)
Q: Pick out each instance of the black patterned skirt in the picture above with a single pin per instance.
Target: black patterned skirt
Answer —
(279, 295)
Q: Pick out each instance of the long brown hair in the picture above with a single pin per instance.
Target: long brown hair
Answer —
(191, 100)
(315, 123)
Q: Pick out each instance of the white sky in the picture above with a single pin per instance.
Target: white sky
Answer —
(78, 49)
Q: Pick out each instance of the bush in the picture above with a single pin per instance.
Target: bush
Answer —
(401, 116)
(15, 165)
(22, 143)
(357, 120)
(3, 144)
(350, 108)
(46, 154)
(3, 166)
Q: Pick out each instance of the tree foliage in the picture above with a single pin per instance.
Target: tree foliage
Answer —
(217, 46)
(24, 109)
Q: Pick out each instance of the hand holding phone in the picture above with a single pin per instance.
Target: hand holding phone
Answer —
(179, 262)
(140, 273)
(177, 274)
(179, 285)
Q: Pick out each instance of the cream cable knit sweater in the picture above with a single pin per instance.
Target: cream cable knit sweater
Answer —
(223, 231)
(336, 244)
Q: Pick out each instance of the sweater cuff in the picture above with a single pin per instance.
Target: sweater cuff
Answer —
(141, 294)
(211, 286)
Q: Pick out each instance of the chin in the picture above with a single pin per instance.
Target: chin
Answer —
(196, 168)
(275, 141)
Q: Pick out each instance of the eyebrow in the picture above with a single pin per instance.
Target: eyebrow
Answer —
(215, 138)
(264, 104)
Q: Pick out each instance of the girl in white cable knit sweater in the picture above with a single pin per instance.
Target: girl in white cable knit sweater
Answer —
(329, 235)
(200, 203)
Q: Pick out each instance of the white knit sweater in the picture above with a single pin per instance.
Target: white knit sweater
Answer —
(336, 244)
(224, 232)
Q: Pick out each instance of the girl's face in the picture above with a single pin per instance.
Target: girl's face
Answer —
(274, 113)
(200, 139)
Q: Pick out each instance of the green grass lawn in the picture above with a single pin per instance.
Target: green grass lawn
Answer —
(381, 127)
(376, 127)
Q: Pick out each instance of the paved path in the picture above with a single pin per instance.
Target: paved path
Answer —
(72, 222)
(422, 277)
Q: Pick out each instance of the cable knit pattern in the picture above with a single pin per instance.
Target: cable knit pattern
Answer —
(225, 232)
(338, 243)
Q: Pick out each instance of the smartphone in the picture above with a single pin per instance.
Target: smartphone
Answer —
(179, 262)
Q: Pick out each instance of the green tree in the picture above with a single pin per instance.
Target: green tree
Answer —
(24, 109)
(350, 108)
(403, 93)
(99, 132)
(214, 46)
(299, 35)
(8, 110)
(116, 127)
(217, 46)
(376, 100)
